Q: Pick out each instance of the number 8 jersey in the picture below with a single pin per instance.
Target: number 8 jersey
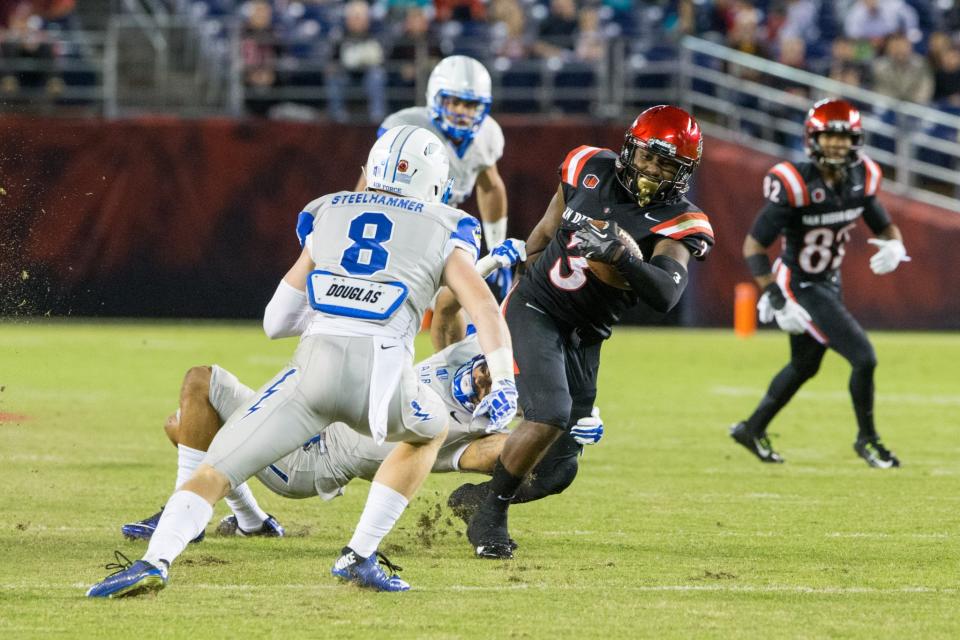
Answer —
(815, 219)
(379, 260)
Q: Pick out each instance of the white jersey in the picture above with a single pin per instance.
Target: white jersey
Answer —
(484, 151)
(379, 261)
(329, 462)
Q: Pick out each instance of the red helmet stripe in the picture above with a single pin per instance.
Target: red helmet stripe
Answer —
(684, 225)
(796, 186)
(874, 176)
(576, 160)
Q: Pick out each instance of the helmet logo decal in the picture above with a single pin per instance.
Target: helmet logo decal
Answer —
(402, 166)
(818, 195)
(591, 181)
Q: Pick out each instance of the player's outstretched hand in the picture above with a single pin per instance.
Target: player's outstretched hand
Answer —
(765, 309)
(500, 405)
(588, 430)
(602, 245)
(889, 255)
(509, 252)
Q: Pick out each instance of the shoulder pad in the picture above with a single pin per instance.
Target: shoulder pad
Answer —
(577, 160)
(793, 183)
(873, 176)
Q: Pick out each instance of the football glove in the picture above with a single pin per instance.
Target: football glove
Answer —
(588, 430)
(773, 305)
(510, 252)
(501, 280)
(602, 245)
(500, 405)
(889, 255)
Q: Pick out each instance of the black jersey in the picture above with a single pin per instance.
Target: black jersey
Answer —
(815, 219)
(560, 281)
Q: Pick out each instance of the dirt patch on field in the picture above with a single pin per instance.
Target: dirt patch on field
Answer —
(710, 575)
(203, 561)
(13, 417)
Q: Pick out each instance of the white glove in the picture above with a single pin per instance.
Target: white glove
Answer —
(792, 318)
(510, 252)
(588, 430)
(888, 256)
(765, 309)
(500, 405)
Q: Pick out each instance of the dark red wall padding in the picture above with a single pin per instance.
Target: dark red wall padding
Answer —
(165, 217)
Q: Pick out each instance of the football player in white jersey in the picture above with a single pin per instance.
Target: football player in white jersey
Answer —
(459, 97)
(372, 264)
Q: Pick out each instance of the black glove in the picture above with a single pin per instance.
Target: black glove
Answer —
(777, 299)
(602, 245)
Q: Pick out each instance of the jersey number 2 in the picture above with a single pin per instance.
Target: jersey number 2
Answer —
(367, 255)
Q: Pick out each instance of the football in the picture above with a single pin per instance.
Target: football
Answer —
(606, 273)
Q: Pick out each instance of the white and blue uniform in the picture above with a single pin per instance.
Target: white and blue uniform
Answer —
(484, 150)
(379, 261)
(326, 464)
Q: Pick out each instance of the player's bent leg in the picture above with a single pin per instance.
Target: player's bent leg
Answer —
(396, 482)
(487, 530)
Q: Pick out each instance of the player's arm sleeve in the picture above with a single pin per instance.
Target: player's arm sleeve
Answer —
(769, 222)
(287, 314)
(876, 216)
(660, 282)
(466, 236)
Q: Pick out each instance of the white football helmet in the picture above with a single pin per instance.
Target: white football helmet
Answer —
(410, 161)
(464, 78)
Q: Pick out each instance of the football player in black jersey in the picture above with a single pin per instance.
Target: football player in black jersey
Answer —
(561, 311)
(815, 206)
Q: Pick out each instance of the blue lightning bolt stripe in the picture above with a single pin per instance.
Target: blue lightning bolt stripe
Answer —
(269, 392)
(418, 411)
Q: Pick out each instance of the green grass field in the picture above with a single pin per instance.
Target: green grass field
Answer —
(669, 530)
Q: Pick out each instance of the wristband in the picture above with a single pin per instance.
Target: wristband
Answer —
(500, 364)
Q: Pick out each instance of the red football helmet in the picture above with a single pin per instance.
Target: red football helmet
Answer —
(838, 116)
(668, 132)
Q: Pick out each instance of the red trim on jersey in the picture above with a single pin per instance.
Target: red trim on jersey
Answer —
(574, 163)
(783, 279)
(788, 175)
(873, 177)
(694, 217)
(503, 312)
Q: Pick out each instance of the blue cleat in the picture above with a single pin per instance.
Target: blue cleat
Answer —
(129, 579)
(270, 528)
(366, 572)
(143, 529)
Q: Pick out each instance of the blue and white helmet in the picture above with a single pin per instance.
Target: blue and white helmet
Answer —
(410, 161)
(459, 77)
(463, 385)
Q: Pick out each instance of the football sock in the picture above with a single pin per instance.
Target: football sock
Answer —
(187, 462)
(503, 487)
(250, 516)
(861, 391)
(184, 517)
(384, 507)
(783, 387)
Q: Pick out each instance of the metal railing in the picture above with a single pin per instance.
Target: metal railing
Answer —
(760, 103)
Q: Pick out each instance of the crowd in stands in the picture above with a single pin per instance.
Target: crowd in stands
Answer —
(41, 64)
(362, 55)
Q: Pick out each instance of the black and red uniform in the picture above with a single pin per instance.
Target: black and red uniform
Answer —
(560, 312)
(816, 221)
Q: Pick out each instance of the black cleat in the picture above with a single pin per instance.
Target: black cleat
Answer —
(466, 499)
(487, 532)
(876, 455)
(759, 447)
